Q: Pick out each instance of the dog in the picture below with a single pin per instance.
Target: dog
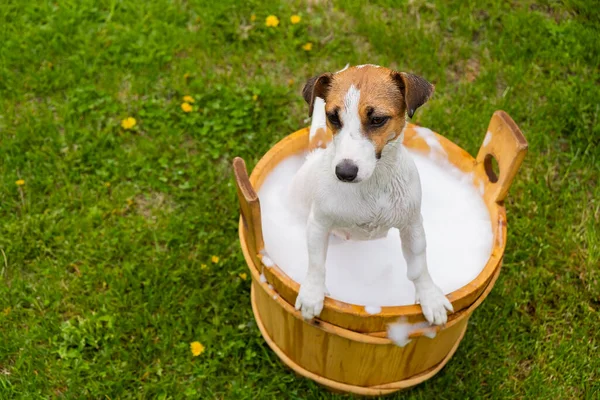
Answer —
(359, 181)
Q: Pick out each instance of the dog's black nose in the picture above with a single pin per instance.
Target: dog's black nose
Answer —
(346, 171)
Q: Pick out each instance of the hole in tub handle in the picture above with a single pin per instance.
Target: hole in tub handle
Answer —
(504, 145)
(490, 164)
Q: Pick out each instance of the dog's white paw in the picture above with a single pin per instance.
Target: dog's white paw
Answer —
(434, 304)
(310, 300)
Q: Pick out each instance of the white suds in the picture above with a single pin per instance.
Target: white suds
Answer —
(275, 296)
(430, 333)
(398, 332)
(456, 221)
(318, 117)
(431, 139)
(488, 138)
(265, 259)
(500, 236)
(372, 309)
(263, 278)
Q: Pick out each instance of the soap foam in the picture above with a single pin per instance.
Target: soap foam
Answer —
(436, 149)
(398, 332)
(372, 309)
(265, 259)
(373, 273)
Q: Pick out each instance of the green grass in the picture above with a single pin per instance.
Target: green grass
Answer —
(101, 285)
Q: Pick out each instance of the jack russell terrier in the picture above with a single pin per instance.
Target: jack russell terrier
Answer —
(363, 182)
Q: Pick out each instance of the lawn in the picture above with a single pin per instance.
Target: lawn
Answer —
(118, 247)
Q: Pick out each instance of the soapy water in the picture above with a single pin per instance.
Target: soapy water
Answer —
(373, 273)
(399, 332)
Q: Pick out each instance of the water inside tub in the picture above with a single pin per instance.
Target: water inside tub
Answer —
(373, 273)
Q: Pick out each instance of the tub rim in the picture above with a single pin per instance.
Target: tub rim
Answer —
(504, 142)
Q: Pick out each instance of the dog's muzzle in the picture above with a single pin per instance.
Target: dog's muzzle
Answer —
(346, 171)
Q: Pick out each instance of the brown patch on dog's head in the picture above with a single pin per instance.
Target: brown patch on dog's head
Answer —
(386, 97)
(416, 90)
(321, 138)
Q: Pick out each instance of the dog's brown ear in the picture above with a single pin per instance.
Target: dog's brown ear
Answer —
(317, 86)
(416, 90)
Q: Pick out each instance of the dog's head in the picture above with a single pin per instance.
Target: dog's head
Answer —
(366, 109)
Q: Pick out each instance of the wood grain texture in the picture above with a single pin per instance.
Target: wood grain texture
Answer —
(508, 146)
(376, 390)
(347, 349)
(249, 208)
(348, 361)
(355, 317)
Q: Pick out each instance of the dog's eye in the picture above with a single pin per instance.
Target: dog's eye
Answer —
(378, 121)
(334, 119)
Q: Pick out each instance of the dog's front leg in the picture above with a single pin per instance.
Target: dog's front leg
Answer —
(312, 291)
(433, 302)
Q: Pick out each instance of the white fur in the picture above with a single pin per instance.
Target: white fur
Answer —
(318, 117)
(431, 139)
(386, 194)
(350, 143)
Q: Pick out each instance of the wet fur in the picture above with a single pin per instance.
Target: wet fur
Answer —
(387, 194)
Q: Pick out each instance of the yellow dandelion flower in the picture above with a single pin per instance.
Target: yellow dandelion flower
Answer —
(243, 276)
(186, 107)
(215, 259)
(291, 82)
(186, 76)
(188, 99)
(294, 19)
(6, 311)
(129, 202)
(252, 18)
(20, 182)
(128, 123)
(203, 266)
(272, 21)
(255, 97)
(197, 348)
(307, 46)
(107, 184)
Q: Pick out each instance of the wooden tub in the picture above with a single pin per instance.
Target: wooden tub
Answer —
(346, 348)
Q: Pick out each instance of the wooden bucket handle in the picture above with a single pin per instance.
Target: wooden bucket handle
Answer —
(504, 142)
(249, 207)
